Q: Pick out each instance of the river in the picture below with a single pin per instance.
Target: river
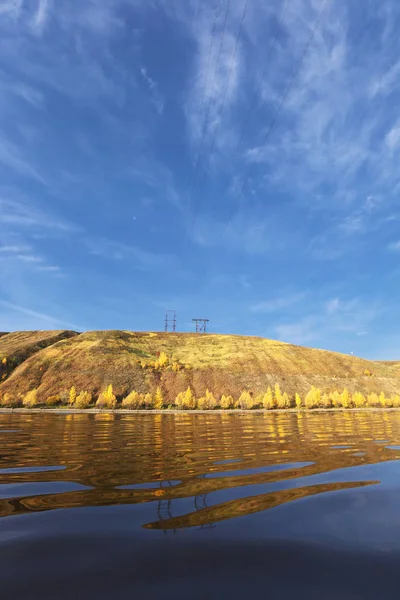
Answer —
(200, 505)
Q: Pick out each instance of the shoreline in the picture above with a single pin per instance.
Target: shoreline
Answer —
(232, 411)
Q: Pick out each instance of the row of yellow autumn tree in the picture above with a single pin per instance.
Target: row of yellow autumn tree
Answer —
(271, 399)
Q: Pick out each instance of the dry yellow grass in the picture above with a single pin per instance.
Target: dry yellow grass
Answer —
(224, 364)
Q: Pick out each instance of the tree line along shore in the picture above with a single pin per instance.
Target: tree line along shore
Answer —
(270, 400)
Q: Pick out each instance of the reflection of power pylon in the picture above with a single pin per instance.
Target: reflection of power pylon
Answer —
(200, 503)
(164, 506)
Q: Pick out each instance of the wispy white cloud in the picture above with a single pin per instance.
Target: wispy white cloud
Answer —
(329, 319)
(21, 90)
(49, 320)
(41, 15)
(384, 81)
(304, 331)
(278, 303)
(394, 246)
(11, 8)
(392, 138)
(6, 250)
(156, 98)
(29, 258)
(329, 132)
(214, 87)
(49, 269)
(18, 257)
(138, 258)
(16, 210)
(333, 306)
(100, 18)
(12, 158)
(158, 177)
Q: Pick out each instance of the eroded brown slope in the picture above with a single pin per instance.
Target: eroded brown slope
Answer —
(223, 363)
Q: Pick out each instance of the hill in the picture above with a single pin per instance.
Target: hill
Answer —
(53, 361)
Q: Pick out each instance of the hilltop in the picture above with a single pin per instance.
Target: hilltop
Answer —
(53, 361)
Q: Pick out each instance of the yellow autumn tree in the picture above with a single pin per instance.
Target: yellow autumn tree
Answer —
(162, 361)
(245, 401)
(134, 400)
(53, 400)
(158, 399)
(83, 400)
(345, 399)
(396, 401)
(268, 400)
(107, 398)
(185, 400)
(72, 395)
(335, 399)
(226, 402)
(326, 401)
(10, 400)
(358, 400)
(257, 401)
(313, 398)
(373, 399)
(279, 398)
(30, 399)
(286, 401)
(148, 400)
(382, 399)
(207, 402)
(388, 402)
(298, 401)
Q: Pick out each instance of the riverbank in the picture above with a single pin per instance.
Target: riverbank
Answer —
(96, 411)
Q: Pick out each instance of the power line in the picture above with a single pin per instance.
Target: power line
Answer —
(258, 90)
(209, 103)
(217, 13)
(286, 93)
(221, 109)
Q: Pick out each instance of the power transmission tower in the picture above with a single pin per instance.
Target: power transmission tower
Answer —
(201, 325)
(170, 319)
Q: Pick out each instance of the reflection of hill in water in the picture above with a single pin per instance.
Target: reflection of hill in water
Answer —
(223, 465)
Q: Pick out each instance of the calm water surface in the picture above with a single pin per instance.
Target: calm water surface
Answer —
(200, 506)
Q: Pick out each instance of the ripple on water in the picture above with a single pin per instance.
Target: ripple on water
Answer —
(19, 490)
(341, 447)
(149, 485)
(9, 430)
(258, 470)
(12, 470)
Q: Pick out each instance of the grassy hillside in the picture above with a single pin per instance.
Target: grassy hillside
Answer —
(54, 361)
(16, 347)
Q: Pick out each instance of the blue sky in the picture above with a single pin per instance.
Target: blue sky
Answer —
(162, 154)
